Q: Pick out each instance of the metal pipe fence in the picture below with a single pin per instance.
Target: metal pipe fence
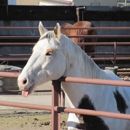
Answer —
(56, 100)
(114, 57)
(51, 28)
(71, 36)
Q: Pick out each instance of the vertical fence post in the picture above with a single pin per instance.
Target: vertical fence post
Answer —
(62, 98)
(56, 101)
(115, 53)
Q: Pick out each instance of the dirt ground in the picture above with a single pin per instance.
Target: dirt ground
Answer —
(28, 119)
(21, 119)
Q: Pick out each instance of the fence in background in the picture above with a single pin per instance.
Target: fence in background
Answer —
(24, 57)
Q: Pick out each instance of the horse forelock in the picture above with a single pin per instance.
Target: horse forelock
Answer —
(48, 35)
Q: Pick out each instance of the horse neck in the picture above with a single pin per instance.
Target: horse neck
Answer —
(91, 70)
(79, 64)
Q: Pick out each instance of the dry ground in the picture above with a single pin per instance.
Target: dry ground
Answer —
(28, 120)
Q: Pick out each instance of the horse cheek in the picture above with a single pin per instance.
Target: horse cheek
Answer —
(58, 68)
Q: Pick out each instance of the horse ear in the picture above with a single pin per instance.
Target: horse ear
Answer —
(42, 29)
(57, 31)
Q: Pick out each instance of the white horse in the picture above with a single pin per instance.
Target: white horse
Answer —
(54, 56)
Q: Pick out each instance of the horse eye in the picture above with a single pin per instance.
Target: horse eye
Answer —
(48, 53)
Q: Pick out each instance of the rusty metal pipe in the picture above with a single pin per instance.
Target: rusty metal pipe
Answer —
(23, 28)
(104, 43)
(99, 36)
(77, 12)
(83, 43)
(17, 43)
(19, 28)
(124, 70)
(95, 81)
(95, 59)
(110, 58)
(114, 53)
(94, 53)
(10, 55)
(93, 113)
(13, 59)
(9, 74)
(71, 36)
(21, 91)
(108, 53)
(51, 28)
(99, 28)
(123, 73)
(19, 37)
(56, 101)
(25, 105)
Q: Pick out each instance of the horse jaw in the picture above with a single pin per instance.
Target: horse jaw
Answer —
(31, 86)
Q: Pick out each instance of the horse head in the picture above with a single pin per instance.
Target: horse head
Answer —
(47, 61)
(66, 31)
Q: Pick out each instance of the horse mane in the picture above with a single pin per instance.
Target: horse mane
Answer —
(89, 68)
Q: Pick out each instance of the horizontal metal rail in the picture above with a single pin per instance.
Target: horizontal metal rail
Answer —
(19, 91)
(18, 28)
(19, 37)
(92, 53)
(105, 43)
(51, 28)
(16, 74)
(99, 36)
(108, 53)
(83, 43)
(110, 58)
(71, 36)
(25, 105)
(17, 43)
(92, 112)
(16, 55)
(95, 53)
(95, 81)
(99, 28)
(67, 110)
(9, 74)
(123, 73)
(13, 58)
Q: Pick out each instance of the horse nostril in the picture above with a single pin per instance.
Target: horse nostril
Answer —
(25, 81)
